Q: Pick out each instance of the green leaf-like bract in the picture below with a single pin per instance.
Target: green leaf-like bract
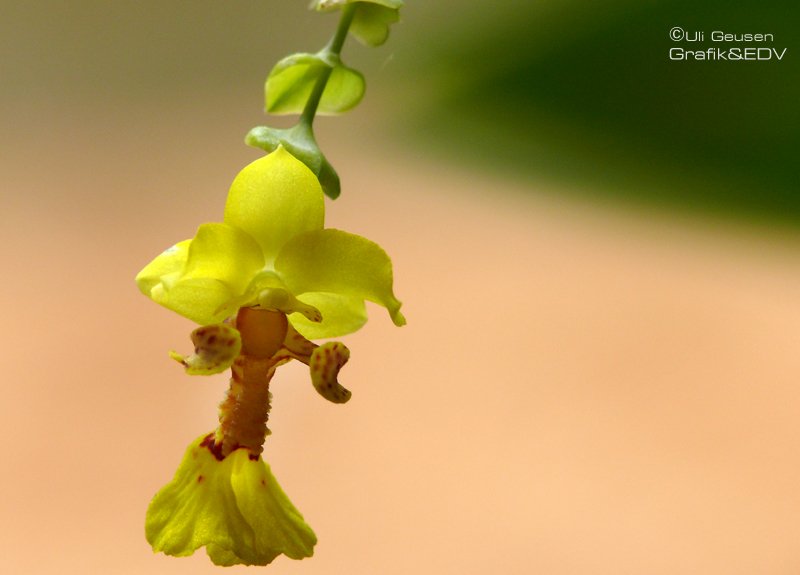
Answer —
(328, 5)
(372, 19)
(298, 141)
(371, 23)
(292, 80)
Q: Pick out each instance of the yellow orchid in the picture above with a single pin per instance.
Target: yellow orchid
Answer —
(270, 250)
(261, 284)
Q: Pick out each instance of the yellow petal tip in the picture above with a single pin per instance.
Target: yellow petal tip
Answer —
(398, 318)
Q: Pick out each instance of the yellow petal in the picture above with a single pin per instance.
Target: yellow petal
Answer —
(232, 506)
(340, 315)
(224, 253)
(200, 300)
(273, 199)
(198, 278)
(338, 262)
(168, 263)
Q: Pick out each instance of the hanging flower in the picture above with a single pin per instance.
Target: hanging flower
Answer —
(262, 284)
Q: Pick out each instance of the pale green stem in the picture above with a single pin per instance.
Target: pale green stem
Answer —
(333, 47)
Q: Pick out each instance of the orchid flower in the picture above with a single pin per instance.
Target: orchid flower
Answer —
(261, 284)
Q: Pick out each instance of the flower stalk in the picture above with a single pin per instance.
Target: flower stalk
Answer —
(334, 48)
(244, 413)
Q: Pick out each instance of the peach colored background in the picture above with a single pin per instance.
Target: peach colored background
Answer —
(579, 390)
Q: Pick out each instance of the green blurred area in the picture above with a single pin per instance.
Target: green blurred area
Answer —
(585, 93)
(580, 93)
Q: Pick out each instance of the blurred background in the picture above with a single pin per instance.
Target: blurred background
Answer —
(597, 249)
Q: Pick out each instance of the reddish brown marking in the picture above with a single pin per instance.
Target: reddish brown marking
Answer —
(212, 339)
(230, 342)
(216, 450)
(263, 482)
(200, 478)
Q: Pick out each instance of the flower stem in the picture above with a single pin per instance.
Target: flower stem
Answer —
(333, 48)
(244, 412)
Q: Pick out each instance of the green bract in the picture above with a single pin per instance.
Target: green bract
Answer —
(371, 23)
(328, 5)
(372, 18)
(271, 250)
(300, 142)
(292, 80)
